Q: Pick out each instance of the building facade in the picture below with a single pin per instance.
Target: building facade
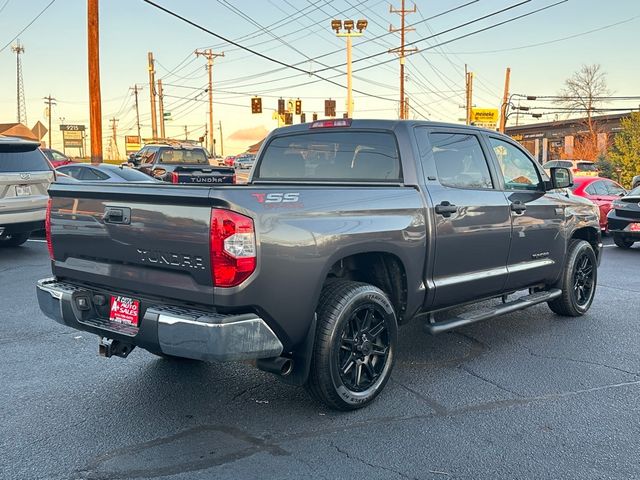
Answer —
(553, 140)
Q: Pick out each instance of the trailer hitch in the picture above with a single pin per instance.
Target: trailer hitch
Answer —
(109, 347)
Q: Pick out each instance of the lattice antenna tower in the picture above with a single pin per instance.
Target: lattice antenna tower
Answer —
(18, 49)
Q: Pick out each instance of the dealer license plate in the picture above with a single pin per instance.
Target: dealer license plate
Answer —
(124, 310)
(23, 190)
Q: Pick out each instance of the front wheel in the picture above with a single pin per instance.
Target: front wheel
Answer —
(622, 242)
(578, 281)
(354, 347)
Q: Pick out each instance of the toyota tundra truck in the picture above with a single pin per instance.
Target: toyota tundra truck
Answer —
(346, 230)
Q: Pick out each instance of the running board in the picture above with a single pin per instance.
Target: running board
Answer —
(468, 318)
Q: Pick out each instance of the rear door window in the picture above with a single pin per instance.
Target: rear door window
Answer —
(29, 161)
(613, 188)
(460, 161)
(332, 156)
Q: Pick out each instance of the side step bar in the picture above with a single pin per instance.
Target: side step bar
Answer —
(484, 314)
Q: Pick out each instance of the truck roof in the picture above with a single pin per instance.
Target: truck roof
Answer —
(379, 123)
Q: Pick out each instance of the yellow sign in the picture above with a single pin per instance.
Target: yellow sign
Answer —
(484, 117)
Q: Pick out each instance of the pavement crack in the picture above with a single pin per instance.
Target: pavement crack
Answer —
(374, 466)
(490, 382)
(584, 362)
(435, 406)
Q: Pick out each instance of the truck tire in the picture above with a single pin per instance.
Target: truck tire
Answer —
(14, 240)
(578, 281)
(622, 242)
(354, 347)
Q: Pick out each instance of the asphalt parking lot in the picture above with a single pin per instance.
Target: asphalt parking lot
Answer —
(529, 395)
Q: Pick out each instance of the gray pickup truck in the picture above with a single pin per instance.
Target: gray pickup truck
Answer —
(345, 231)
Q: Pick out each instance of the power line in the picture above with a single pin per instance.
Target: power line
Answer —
(28, 25)
(4, 5)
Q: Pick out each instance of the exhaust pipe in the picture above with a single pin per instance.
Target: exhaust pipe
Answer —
(281, 366)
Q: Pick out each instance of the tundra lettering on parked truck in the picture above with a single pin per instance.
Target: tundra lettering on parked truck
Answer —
(400, 220)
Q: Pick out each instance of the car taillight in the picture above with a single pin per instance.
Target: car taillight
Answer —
(47, 229)
(575, 170)
(174, 177)
(232, 244)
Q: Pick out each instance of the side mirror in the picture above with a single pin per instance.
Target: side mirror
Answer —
(561, 177)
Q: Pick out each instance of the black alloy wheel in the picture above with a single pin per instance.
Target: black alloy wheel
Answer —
(364, 348)
(578, 280)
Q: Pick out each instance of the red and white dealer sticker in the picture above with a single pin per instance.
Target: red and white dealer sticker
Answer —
(124, 310)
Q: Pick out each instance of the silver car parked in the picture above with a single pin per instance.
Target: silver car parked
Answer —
(25, 175)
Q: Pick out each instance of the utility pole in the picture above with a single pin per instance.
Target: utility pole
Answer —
(49, 102)
(210, 56)
(402, 51)
(152, 95)
(161, 104)
(221, 146)
(135, 93)
(114, 140)
(95, 101)
(18, 49)
(469, 94)
(349, 25)
(186, 135)
(505, 101)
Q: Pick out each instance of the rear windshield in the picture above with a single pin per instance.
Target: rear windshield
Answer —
(332, 156)
(29, 161)
(587, 167)
(556, 163)
(183, 156)
(131, 175)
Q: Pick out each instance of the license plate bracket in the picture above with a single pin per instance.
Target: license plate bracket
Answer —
(124, 310)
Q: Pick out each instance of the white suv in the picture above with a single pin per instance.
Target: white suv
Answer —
(579, 168)
(25, 175)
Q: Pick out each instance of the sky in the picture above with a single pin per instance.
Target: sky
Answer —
(542, 50)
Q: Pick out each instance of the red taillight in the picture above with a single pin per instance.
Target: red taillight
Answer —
(345, 122)
(575, 170)
(174, 177)
(232, 244)
(47, 229)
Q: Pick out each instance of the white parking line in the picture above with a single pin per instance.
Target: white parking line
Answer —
(36, 240)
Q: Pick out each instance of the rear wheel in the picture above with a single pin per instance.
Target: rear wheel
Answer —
(14, 240)
(578, 281)
(354, 346)
(622, 241)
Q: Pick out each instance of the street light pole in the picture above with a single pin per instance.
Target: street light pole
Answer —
(349, 26)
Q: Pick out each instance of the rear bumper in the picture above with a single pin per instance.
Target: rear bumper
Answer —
(172, 330)
(25, 216)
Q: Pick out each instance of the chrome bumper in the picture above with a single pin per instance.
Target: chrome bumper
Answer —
(173, 330)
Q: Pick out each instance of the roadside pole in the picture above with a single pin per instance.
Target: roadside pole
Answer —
(95, 102)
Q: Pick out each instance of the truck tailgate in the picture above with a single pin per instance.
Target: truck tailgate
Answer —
(204, 175)
(147, 239)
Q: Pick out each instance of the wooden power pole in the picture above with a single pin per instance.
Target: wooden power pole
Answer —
(402, 51)
(505, 101)
(210, 56)
(95, 101)
(135, 93)
(161, 109)
(152, 95)
(49, 102)
(469, 94)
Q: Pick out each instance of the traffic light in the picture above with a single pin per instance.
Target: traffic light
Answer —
(298, 107)
(288, 118)
(303, 118)
(256, 105)
(281, 106)
(329, 108)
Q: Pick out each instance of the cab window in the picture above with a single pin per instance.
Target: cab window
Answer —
(518, 170)
(460, 161)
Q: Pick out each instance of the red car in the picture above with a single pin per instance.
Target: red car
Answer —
(601, 191)
(228, 161)
(56, 158)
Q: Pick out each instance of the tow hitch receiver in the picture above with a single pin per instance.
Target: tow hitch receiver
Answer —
(109, 347)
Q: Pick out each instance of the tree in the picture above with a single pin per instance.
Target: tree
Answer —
(626, 149)
(582, 94)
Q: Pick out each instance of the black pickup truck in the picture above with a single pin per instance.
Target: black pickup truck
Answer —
(180, 162)
(345, 231)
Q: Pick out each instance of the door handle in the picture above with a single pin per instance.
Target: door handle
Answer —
(446, 209)
(118, 215)
(518, 206)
